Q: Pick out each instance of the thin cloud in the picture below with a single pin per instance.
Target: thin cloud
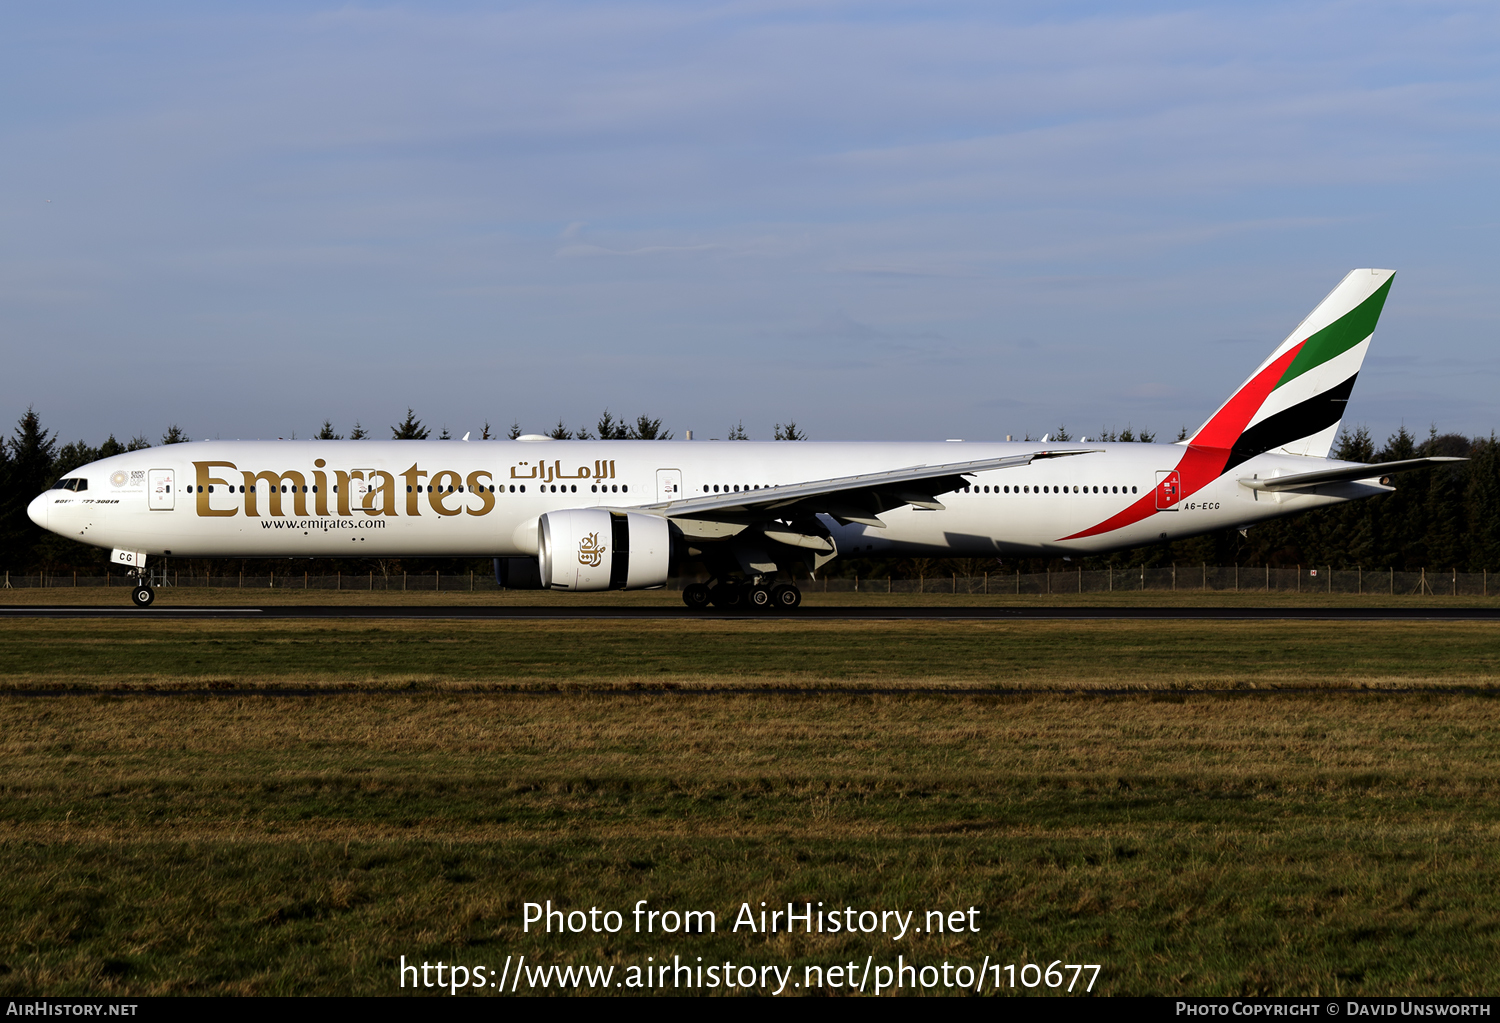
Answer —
(670, 191)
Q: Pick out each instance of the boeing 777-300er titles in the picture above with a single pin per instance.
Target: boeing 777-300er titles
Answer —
(592, 515)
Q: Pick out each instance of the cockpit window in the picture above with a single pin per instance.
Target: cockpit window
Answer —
(74, 484)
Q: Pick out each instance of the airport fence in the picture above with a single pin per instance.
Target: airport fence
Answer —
(1203, 578)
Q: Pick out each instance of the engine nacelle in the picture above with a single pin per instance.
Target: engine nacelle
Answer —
(593, 549)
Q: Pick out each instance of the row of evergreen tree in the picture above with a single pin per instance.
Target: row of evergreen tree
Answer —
(1444, 517)
(607, 428)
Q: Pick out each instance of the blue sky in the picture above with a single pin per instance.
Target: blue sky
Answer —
(883, 221)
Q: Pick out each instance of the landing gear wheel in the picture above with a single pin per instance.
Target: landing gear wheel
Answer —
(759, 598)
(786, 598)
(696, 596)
(142, 596)
(727, 596)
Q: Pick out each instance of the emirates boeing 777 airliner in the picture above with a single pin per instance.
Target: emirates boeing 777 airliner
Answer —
(590, 515)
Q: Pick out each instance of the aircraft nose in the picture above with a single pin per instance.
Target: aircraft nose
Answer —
(38, 510)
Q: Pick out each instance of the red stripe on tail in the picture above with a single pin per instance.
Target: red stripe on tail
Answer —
(1208, 452)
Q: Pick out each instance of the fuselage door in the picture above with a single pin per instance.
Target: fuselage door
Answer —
(161, 486)
(361, 494)
(1168, 489)
(669, 484)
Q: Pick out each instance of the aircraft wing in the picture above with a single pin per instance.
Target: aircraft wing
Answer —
(848, 498)
(1345, 474)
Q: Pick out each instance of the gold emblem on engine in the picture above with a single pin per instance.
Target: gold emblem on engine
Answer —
(590, 551)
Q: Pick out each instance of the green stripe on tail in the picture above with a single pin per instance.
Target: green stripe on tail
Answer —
(1339, 336)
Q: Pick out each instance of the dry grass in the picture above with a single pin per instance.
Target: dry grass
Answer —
(756, 654)
(1338, 840)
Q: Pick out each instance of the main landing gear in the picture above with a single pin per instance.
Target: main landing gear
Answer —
(742, 596)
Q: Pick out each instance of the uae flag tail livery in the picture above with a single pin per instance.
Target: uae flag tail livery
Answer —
(1293, 404)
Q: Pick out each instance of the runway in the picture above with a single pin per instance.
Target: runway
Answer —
(853, 614)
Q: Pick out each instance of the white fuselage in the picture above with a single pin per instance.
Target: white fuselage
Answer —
(455, 499)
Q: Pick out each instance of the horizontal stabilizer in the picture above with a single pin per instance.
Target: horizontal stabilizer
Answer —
(1344, 474)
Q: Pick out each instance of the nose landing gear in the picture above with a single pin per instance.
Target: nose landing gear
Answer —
(143, 594)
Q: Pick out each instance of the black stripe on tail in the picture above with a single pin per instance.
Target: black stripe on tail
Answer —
(1301, 420)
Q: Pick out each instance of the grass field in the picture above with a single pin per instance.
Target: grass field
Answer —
(761, 654)
(290, 807)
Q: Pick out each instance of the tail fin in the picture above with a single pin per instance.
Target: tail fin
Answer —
(1295, 401)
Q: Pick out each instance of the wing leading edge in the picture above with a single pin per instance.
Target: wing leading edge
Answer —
(848, 499)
